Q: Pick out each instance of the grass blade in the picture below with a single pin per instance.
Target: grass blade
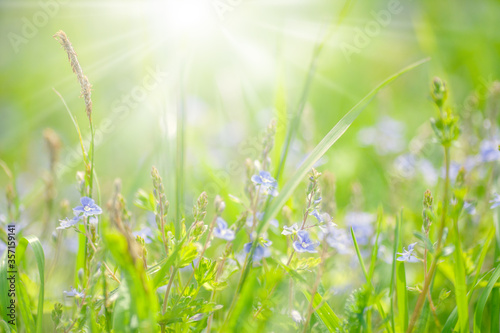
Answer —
(335, 133)
(401, 292)
(460, 282)
(481, 303)
(4, 326)
(374, 254)
(452, 319)
(324, 312)
(294, 125)
(40, 260)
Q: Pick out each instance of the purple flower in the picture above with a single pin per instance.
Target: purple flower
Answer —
(317, 215)
(489, 151)
(406, 165)
(261, 251)
(336, 238)
(303, 243)
(88, 207)
(386, 136)
(146, 234)
(222, 231)
(292, 230)
(407, 255)
(266, 182)
(469, 208)
(362, 225)
(259, 216)
(67, 223)
(495, 201)
(74, 293)
(296, 316)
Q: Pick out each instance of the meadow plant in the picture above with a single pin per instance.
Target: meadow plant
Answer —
(279, 257)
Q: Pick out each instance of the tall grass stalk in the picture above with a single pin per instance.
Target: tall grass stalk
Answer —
(430, 274)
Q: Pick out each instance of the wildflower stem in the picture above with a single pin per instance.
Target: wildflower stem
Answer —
(430, 275)
(202, 253)
(167, 292)
(311, 309)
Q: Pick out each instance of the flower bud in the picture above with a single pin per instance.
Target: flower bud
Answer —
(439, 91)
(220, 205)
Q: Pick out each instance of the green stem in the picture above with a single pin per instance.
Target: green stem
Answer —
(167, 292)
(430, 275)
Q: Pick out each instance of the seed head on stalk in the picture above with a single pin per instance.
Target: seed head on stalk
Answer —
(77, 69)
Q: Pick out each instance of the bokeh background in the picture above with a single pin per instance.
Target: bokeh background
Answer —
(231, 67)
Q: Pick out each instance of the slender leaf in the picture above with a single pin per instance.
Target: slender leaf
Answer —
(40, 260)
(375, 248)
(324, 312)
(460, 282)
(335, 133)
(481, 303)
(401, 291)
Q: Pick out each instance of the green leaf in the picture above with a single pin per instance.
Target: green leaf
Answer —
(401, 291)
(375, 248)
(135, 283)
(325, 312)
(481, 303)
(460, 282)
(4, 327)
(40, 260)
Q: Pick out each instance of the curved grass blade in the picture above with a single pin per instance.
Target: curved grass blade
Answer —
(324, 312)
(367, 276)
(4, 326)
(481, 303)
(307, 85)
(460, 283)
(375, 248)
(452, 319)
(335, 133)
(40, 260)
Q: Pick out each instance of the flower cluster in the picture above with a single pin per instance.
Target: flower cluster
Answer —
(88, 209)
(268, 185)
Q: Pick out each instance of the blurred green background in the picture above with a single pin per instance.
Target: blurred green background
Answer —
(230, 65)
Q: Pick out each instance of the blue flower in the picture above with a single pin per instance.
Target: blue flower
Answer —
(260, 215)
(407, 255)
(469, 208)
(317, 215)
(304, 242)
(495, 201)
(74, 293)
(362, 224)
(266, 182)
(489, 151)
(67, 223)
(336, 238)
(88, 207)
(261, 251)
(296, 316)
(292, 230)
(222, 231)
(146, 234)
